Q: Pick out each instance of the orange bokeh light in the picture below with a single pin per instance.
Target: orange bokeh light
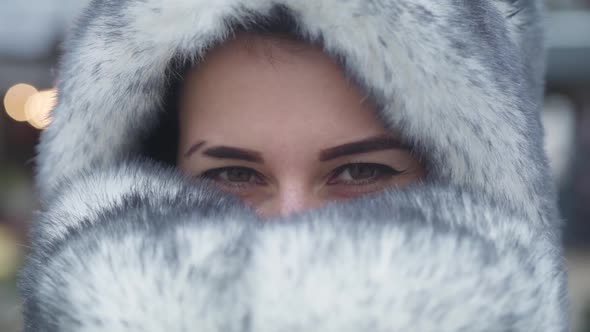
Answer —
(15, 99)
(38, 108)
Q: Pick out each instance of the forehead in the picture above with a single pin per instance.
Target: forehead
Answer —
(256, 87)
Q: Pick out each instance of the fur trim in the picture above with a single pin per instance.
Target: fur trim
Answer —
(130, 246)
(460, 79)
(366, 265)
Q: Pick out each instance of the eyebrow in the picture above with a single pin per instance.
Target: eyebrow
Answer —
(194, 149)
(226, 152)
(377, 143)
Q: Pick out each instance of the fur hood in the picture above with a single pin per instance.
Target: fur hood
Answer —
(126, 244)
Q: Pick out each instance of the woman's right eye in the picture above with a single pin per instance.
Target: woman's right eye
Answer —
(234, 176)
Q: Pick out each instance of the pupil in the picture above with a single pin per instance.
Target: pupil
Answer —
(238, 175)
(362, 172)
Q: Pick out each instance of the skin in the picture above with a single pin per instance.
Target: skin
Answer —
(289, 109)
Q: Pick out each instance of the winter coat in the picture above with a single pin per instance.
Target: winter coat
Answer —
(126, 243)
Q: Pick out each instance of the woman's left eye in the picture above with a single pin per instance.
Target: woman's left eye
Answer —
(361, 173)
(234, 175)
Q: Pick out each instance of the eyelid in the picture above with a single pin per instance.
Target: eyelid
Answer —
(218, 170)
(340, 169)
(374, 164)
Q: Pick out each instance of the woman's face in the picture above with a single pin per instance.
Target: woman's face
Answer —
(276, 123)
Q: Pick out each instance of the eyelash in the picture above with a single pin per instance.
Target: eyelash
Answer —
(383, 172)
(213, 174)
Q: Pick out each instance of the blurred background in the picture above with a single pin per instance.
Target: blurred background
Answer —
(30, 35)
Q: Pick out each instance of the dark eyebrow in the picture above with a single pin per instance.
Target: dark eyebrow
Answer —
(377, 143)
(194, 149)
(226, 152)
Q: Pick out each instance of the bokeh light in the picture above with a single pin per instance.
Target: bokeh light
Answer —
(15, 99)
(9, 253)
(38, 108)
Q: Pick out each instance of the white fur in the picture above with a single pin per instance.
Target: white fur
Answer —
(430, 95)
(129, 246)
(464, 267)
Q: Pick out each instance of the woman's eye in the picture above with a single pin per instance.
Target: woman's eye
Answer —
(234, 175)
(361, 173)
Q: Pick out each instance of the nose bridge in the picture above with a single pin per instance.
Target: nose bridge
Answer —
(292, 197)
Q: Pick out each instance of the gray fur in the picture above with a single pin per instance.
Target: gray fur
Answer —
(436, 260)
(423, 81)
(131, 246)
